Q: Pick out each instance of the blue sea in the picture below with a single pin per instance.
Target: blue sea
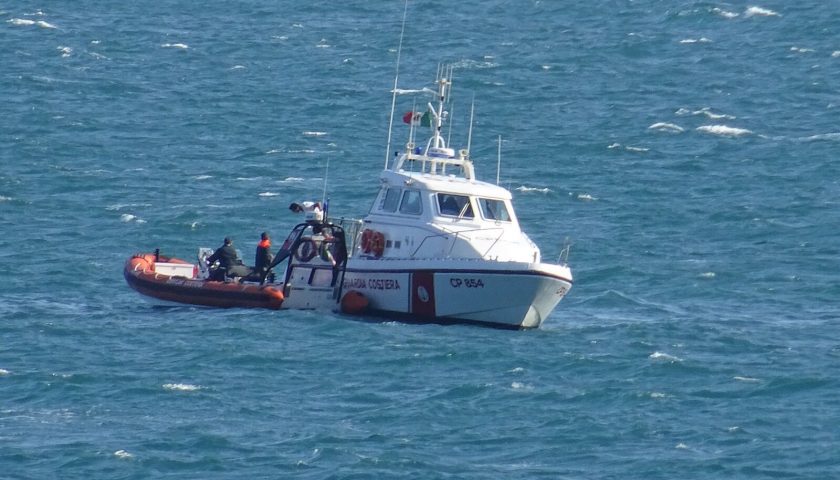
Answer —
(687, 151)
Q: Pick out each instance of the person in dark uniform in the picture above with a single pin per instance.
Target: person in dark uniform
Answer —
(229, 262)
(263, 258)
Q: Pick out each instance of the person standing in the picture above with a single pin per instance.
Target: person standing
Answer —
(262, 260)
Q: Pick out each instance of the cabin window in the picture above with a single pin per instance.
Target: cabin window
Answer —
(455, 205)
(494, 210)
(391, 200)
(411, 204)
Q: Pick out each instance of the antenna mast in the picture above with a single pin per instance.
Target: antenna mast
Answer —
(396, 78)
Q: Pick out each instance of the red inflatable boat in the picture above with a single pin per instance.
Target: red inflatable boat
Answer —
(176, 280)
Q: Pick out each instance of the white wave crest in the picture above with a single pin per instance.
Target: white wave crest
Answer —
(695, 40)
(202, 177)
(182, 46)
(636, 149)
(127, 217)
(123, 454)
(65, 51)
(44, 24)
(20, 22)
(835, 54)
(707, 112)
(314, 134)
(5, 199)
(586, 197)
(614, 145)
(292, 180)
(657, 395)
(182, 387)
(724, 13)
(724, 131)
(760, 12)
(666, 127)
(523, 188)
(707, 275)
(801, 50)
(269, 194)
(664, 357)
(746, 379)
(3, 372)
(814, 138)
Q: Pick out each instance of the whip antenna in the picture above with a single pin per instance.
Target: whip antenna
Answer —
(396, 78)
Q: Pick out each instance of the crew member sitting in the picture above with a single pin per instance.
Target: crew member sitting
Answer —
(229, 263)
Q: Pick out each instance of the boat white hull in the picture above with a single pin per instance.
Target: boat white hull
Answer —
(503, 295)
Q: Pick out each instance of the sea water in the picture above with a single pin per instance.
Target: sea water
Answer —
(687, 151)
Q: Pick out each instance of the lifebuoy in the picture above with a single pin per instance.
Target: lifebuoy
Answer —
(377, 244)
(306, 251)
(366, 237)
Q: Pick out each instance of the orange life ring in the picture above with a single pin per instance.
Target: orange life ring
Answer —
(377, 244)
(306, 251)
(366, 237)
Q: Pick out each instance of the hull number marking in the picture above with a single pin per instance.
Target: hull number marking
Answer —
(466, 282)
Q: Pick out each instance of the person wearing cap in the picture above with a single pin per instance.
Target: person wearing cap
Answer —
(229, 262)
(263, 258)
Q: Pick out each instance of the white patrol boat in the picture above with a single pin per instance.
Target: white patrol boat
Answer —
(438, 246)
(441, 246)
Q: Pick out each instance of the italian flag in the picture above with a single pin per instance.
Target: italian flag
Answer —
(417, 118)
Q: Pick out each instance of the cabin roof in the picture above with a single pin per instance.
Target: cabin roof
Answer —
(444, 183)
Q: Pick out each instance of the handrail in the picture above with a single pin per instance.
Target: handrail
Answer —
(457, 234)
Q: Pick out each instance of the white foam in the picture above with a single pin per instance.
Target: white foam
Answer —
(546, 67)
(5, 199)
(523, 188)
(636, 149)
(707, 275)
(269, 194)
(520, 386)
(292, 180)
(801, 50)
(65, 51)
(238, 67)
(123, 454)
(835, 54)
(3, 372)
(706, 111)
(681, 446)
(822, 136)
(614, 145)
(517, 370)
(746, 379)
(666, 127)
(44, 24)
(682, 112)
(586, 197)
(127, 217)
(664, 357)
(724, 13)
(203, 177)
(182, 387)
(657, 395)
(182, 46)
(760, 12)
(724, 131)
(695, 40)
(20, 22)
(314, 134)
